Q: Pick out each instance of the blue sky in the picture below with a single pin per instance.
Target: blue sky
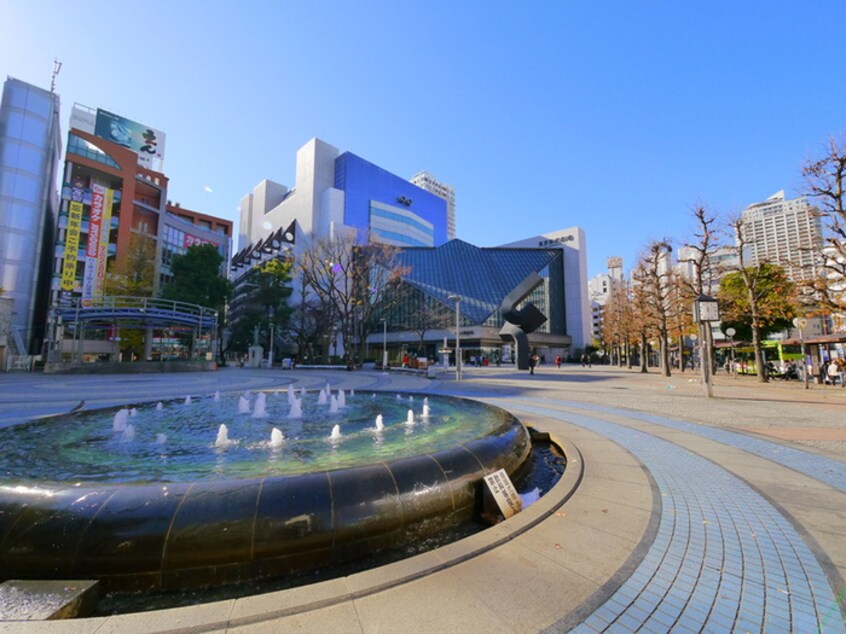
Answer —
(615, 116)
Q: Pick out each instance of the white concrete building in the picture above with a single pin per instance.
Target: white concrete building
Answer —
(577, 303)
(424, 180)
(783, 232)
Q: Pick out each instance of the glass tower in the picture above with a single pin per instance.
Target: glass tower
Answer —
(30, 147)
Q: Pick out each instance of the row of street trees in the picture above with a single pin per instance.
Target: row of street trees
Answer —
(756, 298)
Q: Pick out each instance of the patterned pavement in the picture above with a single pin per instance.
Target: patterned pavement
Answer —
(724, 559)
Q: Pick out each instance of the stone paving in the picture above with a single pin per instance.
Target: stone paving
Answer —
(724, 558)
(748, 532)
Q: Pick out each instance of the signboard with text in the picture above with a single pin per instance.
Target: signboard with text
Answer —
(147, 142)
(504, 493)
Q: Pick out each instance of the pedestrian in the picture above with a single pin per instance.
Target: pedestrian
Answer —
(558, 361)
(833, 371)
(533, 361)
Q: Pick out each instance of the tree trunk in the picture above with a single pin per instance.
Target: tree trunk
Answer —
(643, 354)
(665, 356)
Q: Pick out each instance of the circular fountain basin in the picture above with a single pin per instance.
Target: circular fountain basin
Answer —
(166, 505)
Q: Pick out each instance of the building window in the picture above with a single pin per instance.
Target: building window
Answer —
(79, 146)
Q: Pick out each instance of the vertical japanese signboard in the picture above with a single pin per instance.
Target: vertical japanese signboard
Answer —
(71, 245)
(97, 246)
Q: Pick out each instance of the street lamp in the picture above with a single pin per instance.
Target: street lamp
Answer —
(457, 300)
(731, 332)
(384, 343)
(800, 323)
(270, 314)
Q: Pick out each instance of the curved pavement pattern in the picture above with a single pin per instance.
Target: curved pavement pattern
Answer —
(724, 559)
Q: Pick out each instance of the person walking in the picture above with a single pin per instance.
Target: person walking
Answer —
(533, 361)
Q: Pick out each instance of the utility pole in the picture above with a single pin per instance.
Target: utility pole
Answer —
(57, 66)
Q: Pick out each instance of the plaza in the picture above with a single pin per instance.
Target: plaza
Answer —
(676, 513)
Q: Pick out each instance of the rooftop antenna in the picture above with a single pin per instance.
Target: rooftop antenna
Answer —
(57, 66)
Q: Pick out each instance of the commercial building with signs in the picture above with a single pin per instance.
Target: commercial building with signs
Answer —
(30, 148)
(114, 207)
(337, 192)
(460, 281)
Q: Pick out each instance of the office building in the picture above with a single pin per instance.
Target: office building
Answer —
(30, 147)
(336, 193)
(784, 232)
(425, 180)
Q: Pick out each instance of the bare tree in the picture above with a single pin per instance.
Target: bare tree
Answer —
(704, 275)
(825, 179)
(654, 276)
(349, 281)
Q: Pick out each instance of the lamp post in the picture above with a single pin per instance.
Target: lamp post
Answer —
(705, 310)
(800, 323)
(457, 300)
(270, 313)
(384, 343)
(731, 332)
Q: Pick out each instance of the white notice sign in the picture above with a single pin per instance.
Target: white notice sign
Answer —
(503, 491)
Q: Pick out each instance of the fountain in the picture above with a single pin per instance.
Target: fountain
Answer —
(260, 410)
(333, 405)
(222, 440)
(187, 400)
(342, 399)
(296, 409)
(216, 396)
(169, 506)
(321, 397)
(276, 438)
(243, 406)
(425, 413)
(159, 406)
(291, 395)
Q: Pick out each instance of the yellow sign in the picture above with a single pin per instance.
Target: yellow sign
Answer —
(71, 246)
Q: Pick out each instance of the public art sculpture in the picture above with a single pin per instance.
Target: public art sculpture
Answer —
(519, 323)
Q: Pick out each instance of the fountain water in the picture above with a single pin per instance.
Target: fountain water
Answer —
(119, 421)
(410, 418)
(133, 412)
(128, 433)
(243, 406)
(161, 439)
(159, 406)
(260, 410)
(342, 399)
(321, 398)
(187, 400)
(333, 405)
(222, 439)
(380, 425)
(425, 410)
(336, 433)
(276, 438)
(217, 396)
(291, 396)
(296, 409)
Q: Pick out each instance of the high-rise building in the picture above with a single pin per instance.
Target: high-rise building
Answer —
(424, 180)
(337, 192)
(783, 232)
(30, 147)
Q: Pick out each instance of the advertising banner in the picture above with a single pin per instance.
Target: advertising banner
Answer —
(71, 245)
(103, 247)
(190, 241)
(95, 220)
(147, 142)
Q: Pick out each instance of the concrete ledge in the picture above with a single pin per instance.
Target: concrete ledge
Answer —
(36, 600)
